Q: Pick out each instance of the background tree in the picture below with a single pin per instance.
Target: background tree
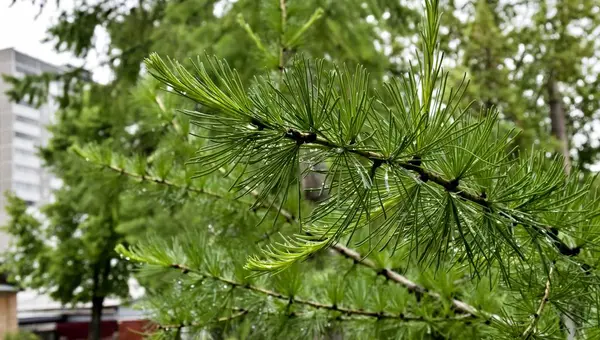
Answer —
(533, 60)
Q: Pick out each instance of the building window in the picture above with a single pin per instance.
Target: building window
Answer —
(26, 170)
(25, 136)
(27, 120)
(22, 152)
(25, 186)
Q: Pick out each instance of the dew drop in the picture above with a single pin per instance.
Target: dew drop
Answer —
(386, 180)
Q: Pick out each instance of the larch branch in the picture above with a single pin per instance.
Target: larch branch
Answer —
(315, 304)
(459, 305)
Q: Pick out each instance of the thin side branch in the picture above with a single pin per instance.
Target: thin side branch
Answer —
(282, 48)
(241, 313)
(458, 305)
(315, 304)
(540, 310)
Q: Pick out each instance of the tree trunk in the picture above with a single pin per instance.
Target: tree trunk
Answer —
(94, 330)
(558, 120)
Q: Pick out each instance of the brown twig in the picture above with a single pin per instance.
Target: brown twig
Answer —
(315, 304)
(538, 313)
(282, 48)
(241, 313)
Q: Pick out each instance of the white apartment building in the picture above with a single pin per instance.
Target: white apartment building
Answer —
(22, 130)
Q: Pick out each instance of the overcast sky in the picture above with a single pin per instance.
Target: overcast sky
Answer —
(21, 30)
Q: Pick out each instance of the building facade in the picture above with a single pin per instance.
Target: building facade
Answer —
(22, 130)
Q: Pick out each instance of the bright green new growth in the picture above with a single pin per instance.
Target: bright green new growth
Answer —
(410, 172)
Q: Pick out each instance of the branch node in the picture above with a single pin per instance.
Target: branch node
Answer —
(453, 185)
(301, 137)
(259, 125)
(483, 195)
(376, 164)
(416, 161)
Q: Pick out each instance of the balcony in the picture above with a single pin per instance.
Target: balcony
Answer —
(28, 195)
(24, 144)
(30, 161)
(27, 129)
(26, 177)
(26, 111)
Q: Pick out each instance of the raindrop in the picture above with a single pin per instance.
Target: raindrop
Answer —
(386, 180)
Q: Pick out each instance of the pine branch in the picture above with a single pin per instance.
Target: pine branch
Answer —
(452, 186)
(162, 181)
(410, 285)
(538, 314)
(315, 304)
(243, 312)
(349, 253)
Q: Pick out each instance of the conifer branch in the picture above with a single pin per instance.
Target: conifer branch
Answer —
(538, 314)
(315, 304)
(243, 312)
(162, 181)
(452, 186)
(349, 253)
